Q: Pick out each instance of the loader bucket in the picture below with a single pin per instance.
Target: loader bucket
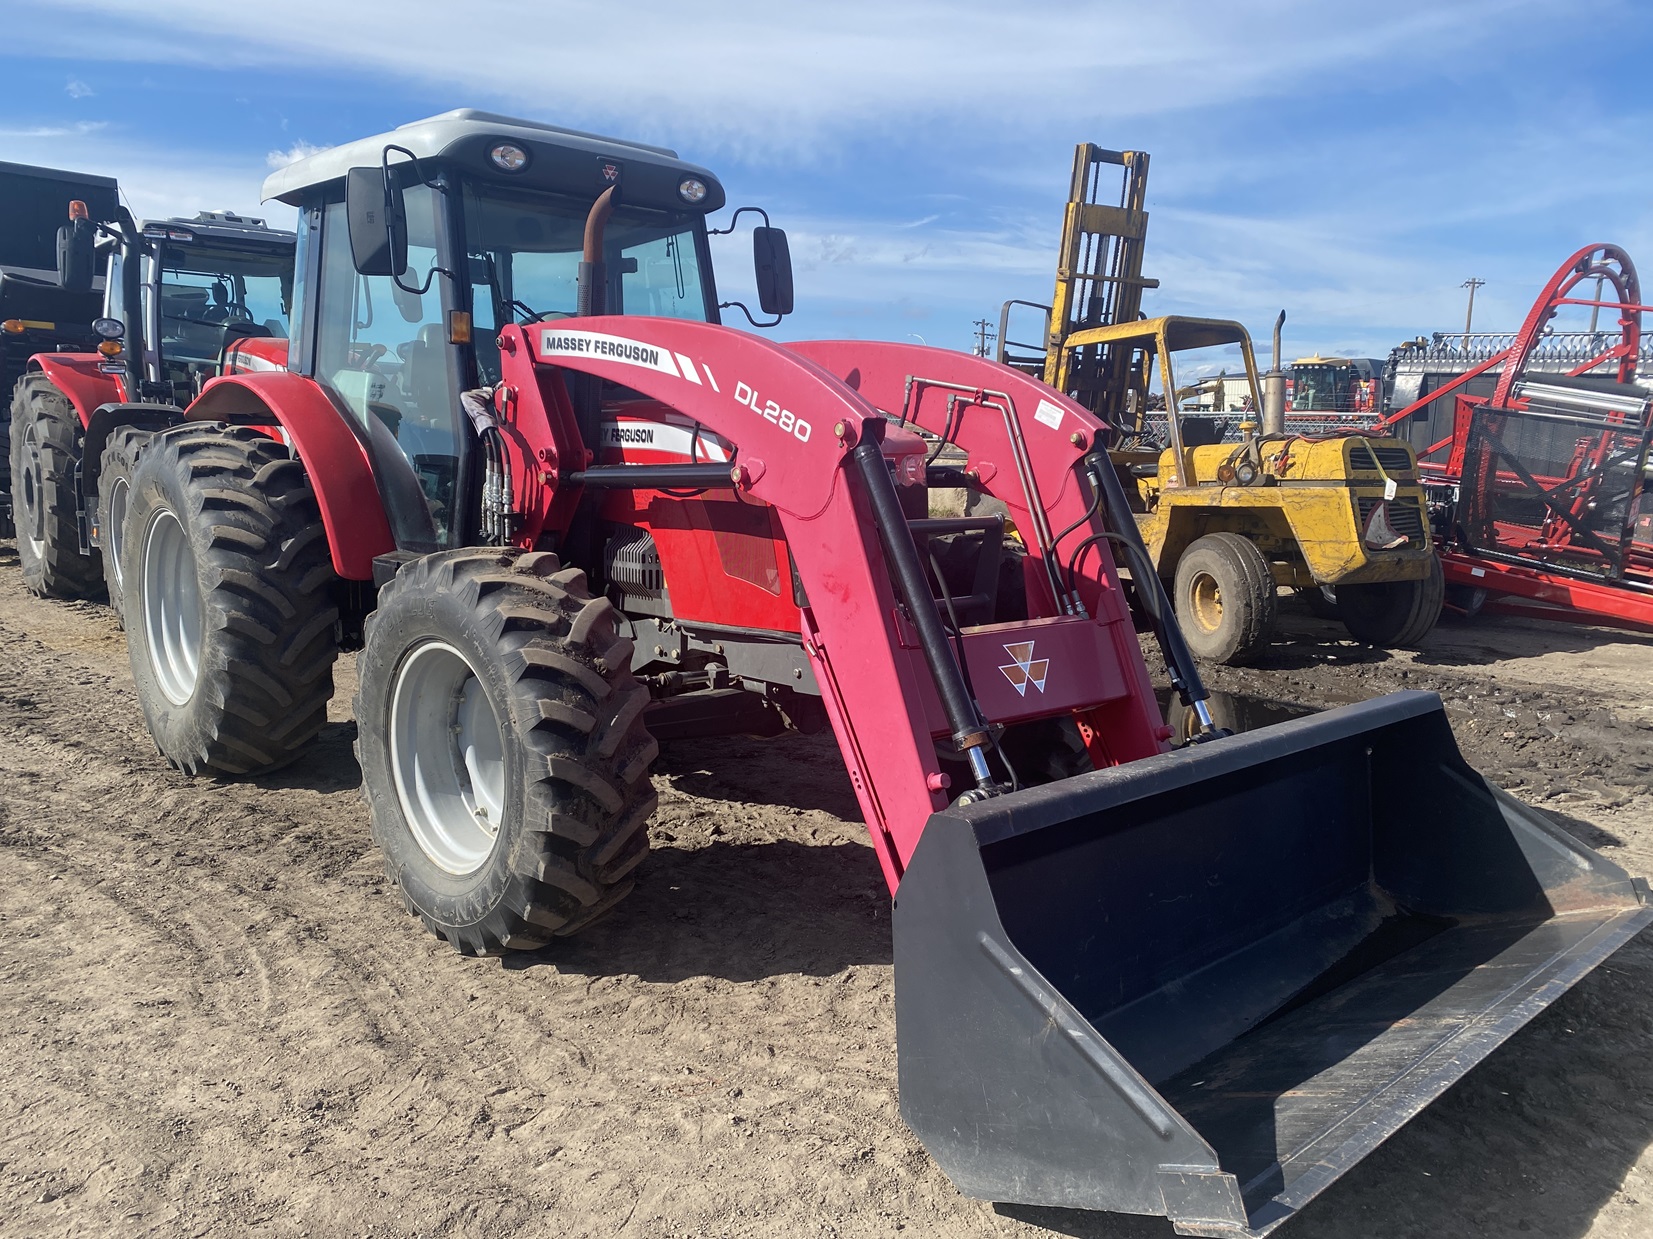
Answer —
(1205, 984)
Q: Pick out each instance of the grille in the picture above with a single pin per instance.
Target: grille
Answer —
(1405, 517)
(633, 563)
(745, 539)
(1393, 459)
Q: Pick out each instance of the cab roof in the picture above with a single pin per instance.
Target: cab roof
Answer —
(560, 160)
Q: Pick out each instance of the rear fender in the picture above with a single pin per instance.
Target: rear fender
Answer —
(295, 409)
(77, 376)
(105, 420)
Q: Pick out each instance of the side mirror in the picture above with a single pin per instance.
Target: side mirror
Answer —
(377, 222)
(74, 254)
(772, 260)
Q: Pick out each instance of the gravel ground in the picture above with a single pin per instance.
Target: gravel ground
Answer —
(220, 1021)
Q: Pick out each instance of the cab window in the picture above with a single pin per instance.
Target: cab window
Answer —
(382, 353)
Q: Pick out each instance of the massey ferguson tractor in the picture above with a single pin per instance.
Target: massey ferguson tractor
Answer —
(185, 300)
(562, 509)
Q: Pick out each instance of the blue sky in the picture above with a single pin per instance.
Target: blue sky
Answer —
(1352, 163)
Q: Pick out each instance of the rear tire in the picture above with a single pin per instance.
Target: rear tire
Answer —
(45, 448)
(1225, 599)
(504, 759)
(1393, 614)
(120, 459)
(228, 607)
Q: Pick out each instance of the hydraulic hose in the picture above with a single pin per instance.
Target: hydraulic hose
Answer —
(970, 734)
(1179, 662)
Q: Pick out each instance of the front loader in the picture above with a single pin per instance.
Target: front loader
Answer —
(563, 510)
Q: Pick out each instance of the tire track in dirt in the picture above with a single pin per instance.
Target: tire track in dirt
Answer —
(223, 1022)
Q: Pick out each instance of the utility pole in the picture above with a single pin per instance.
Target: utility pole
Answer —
(1596, 309)
(984, 337)
(1469, 315)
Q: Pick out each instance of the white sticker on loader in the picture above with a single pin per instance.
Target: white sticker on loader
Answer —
(608, 348)
(1048, 413)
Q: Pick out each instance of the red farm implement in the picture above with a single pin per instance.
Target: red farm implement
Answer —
(1540, 492)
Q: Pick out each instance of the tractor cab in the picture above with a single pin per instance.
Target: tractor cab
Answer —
(422, 244)
(189, 299)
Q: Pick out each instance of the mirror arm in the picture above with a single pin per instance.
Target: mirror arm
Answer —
(735, 219)
(724, 305)
(384, 167)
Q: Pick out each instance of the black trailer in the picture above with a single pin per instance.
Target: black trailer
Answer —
(37, 315)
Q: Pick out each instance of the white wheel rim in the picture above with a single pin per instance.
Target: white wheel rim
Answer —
(171, 608)
(447, 757)
(118, 496)
(34, 499)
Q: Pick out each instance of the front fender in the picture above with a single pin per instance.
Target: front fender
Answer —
(335, 459)
(77, 376)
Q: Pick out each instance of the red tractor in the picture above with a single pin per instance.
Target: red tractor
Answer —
(564, 510)
(184, 301)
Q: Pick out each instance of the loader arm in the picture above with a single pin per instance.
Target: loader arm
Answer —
(794, 426)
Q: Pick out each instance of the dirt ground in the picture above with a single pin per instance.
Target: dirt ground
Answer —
(219, 1021)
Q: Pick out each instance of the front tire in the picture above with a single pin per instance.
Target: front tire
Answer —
(45, 448)
(1225, 599)
(504, 759)
(228, 607)
(120, 460)
(1393, 613)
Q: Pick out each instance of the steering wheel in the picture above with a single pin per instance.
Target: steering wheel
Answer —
(370, 354)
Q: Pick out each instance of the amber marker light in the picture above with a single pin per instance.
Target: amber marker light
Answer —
(110, 348)
(459, 327)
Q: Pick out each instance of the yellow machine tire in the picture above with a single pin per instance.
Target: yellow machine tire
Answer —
(1225, 599)
(1394, 613)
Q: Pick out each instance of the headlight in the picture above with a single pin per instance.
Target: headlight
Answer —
(109, 328)
(509, 157)
(692, 189)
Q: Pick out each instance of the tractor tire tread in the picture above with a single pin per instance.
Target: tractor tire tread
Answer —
(576, 713)
(58, 569)
(275, 635)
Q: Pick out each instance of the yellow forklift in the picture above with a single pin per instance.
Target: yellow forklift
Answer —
(1232, 507)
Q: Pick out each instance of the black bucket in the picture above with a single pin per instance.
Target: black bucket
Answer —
(1206, 984)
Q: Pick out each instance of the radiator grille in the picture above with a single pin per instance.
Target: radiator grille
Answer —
(1405, 517)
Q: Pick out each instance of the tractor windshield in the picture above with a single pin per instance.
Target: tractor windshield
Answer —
(524, 253)
(208, 299)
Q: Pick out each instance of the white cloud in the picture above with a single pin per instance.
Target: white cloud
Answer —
(750, 76)
(78, 89)
(76, 130)
(294, 153)
(157, 183)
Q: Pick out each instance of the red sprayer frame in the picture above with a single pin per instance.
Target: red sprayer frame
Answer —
(1552, 574)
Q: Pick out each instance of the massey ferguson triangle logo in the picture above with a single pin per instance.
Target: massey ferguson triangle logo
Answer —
(611, 172)
(1024, 670)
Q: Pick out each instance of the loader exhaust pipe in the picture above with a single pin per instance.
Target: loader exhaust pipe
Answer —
(592, 296)
(1274, 388)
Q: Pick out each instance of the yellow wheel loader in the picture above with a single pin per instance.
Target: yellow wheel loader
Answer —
(1230, 507)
